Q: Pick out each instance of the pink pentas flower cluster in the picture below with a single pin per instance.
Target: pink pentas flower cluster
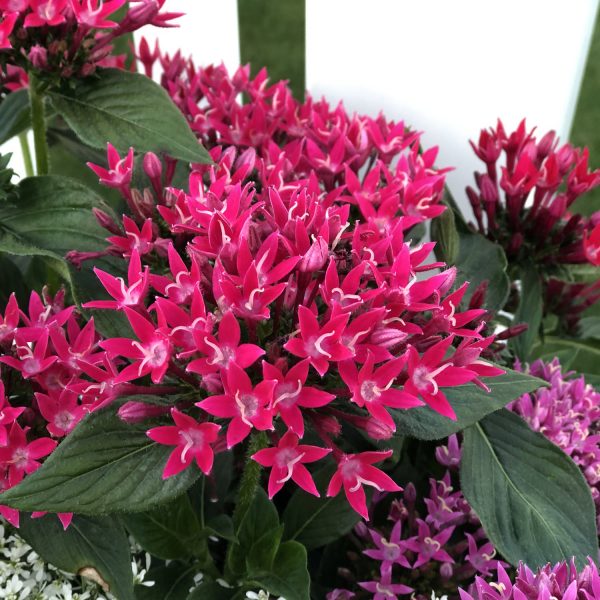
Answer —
(69, 37)
(45, 351)
(523, 197)
(562, 581)
(568, 414)
(434, 542)
(288, 295)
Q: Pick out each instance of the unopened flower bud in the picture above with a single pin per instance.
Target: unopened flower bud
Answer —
(316, 257)
(387, 337)
(38, 56)
(410, 493)
(106, 221)
(329, 425)
(446, 570)
(152, 166)
(361, 530)
(135, 412)
(378, 430)
(212, 383)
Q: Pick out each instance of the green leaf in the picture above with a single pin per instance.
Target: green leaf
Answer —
(172, 582)
(263, 551)
(470, 403)
(128, 109)
(481, 260)
(445, 233)
(10, 244)
(260, 518)
(289, 576)
(588, 352)
(169, 532)
(98, 543)
(221, 526)
(14, 115)
(530, 311)
(315, 522)
(590, 328)
(103, 466)
(533, 501)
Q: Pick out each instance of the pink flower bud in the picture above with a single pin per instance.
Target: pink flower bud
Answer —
(378, 430)
(106, 221)
(316, 257)
(387, 337)
(152, 166)
(410, 493)
(38, 56)
(136, 412)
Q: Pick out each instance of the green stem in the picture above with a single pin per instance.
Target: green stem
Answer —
(25, 150)
(250, 478)
(38, 123)
(246, 493)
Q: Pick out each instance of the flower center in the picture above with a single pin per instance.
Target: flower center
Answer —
(369, 391)
(248, 406)
(63, 420)
(193, 439)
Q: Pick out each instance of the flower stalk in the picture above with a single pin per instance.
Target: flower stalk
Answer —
(38, 123)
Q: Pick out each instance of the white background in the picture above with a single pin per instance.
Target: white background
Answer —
(449, 68)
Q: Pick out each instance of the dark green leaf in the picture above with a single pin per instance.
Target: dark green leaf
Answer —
(14, 115)
(263, 551)
(103, 466)
(480, 260)
(470, 403)
(260, 519)
(533, 501)
(289, 576)
(445, 234)
(128, 109)
(172, 582)
(315, 521)
(589, 328)
(221, 526)
(530, 311)
(98, 543)
(170, 531)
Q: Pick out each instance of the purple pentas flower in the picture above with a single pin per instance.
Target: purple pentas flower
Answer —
(567, 413)
(561, 582)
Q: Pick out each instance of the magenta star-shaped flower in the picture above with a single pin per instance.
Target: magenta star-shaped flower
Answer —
(286, 462)
(192, 441)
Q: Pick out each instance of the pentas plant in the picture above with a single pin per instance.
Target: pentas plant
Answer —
(524, 202)
(269, 330)
(282, 308)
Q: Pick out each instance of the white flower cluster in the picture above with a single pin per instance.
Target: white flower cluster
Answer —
(25, 576)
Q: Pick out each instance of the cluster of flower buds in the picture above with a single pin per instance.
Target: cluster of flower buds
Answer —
(433, 542)
(68, 37)
(568, 414)
(523, 198)
(267, 297)
(562, 581)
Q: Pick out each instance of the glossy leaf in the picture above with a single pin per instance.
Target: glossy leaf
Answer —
(533, 501)
(315, 522)
(98, 543)
(169, 532)
(530, 311)
(289, 575)
(481, 260)
(128, 109)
